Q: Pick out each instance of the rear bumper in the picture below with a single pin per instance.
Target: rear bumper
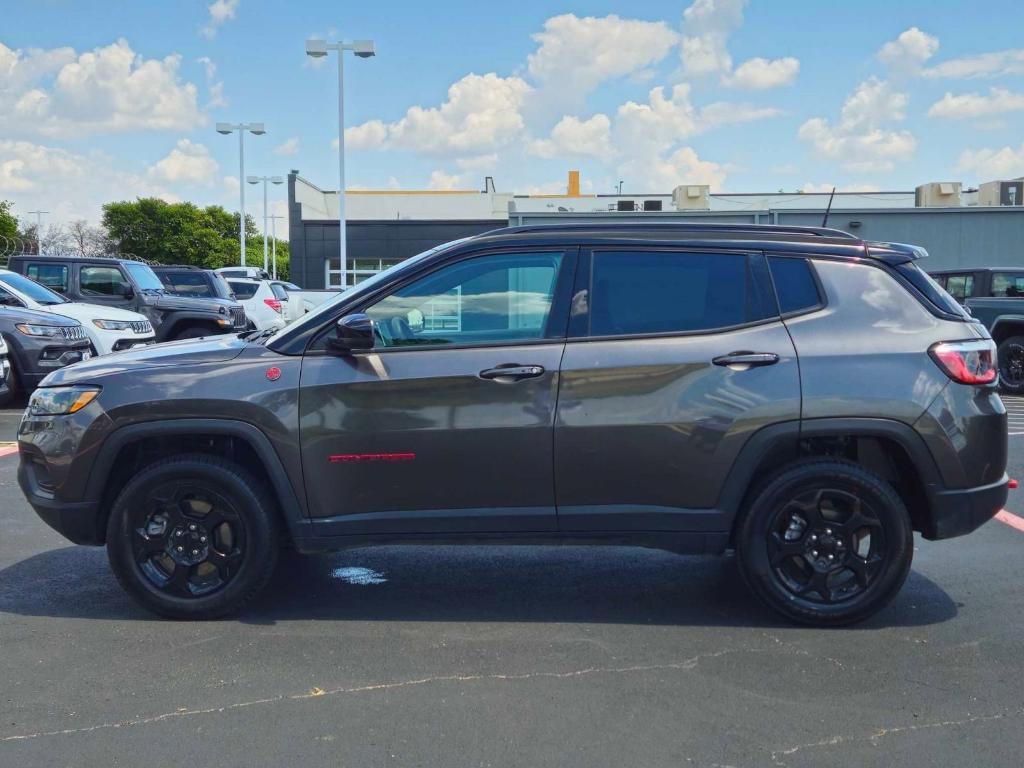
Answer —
(76, 521)
(956, 513)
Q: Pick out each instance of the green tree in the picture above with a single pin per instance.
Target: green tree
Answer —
(8, 224)
(178, 233)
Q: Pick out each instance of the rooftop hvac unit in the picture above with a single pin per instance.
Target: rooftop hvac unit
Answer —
(938, 194)
(691, 197)
(1001, 193)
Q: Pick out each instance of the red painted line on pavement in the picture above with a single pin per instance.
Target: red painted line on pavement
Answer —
(8, 450)
(1012, 520)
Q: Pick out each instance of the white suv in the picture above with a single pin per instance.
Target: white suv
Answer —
(5, 367)
(110, 329)
(265, 303)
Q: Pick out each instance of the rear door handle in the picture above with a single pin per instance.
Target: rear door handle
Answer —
(512, 372)
(747, 358)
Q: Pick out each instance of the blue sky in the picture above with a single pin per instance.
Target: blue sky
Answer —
(113, 100)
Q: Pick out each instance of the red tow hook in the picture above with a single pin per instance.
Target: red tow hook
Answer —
(1012, 485)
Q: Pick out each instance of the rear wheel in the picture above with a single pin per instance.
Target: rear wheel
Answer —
(1011, 365)
(192, 537)
(825, 543)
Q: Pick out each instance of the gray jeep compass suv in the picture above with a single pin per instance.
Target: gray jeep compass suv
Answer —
(798, 395)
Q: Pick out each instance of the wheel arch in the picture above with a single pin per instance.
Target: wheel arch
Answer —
(122, 455)
(892, 449)
(1006, 326)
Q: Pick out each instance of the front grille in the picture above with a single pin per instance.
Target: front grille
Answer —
(141, 326)
(73, 333)
(238, 317)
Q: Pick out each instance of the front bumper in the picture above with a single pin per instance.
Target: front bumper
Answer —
(956, 513)
(76, 521)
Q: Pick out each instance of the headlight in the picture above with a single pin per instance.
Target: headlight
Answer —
(57, 401)
(38, 330)
(113, 325)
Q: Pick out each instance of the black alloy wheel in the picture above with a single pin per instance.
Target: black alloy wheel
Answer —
(193, 537)
(825, 542)
(1011, 365)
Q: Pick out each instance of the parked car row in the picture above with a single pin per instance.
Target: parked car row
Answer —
(58, 310)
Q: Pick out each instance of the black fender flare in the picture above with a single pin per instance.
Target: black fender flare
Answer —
(785, 437)
(1004, 320)
(291, 507)
(175, 319)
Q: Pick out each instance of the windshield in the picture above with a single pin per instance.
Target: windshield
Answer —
(32, 289)
(144, 276)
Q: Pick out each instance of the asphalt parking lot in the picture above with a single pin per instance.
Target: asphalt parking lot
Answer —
(555, 656)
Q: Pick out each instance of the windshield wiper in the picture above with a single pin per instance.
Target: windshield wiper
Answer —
(256, 336)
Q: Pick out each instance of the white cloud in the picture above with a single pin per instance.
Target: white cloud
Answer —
(213, 85)
(759, 74)
(30, 172)
(909, 51)
(482, 113)
(369, 135)
(663, 174)
(187, 163)
(577, 54)
(991, 164)
(220, 12)
(444, 181)
(289, 146)
(573, 136)
(707, 25)
(994, 64)
(998, 101)
(858, 140)
(60, 93)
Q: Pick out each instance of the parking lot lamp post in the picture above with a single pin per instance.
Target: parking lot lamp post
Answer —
(39, 230)
(256, 129)
(364, 50)
(272, 180)
(273, 235)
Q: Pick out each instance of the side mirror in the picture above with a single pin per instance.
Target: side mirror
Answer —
(352, 333)
(127, 291)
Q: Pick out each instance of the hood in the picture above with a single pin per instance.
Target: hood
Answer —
(86, 313)
(213, 349)
(171, 301)
(22, 315)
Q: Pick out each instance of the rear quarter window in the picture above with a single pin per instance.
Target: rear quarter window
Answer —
(795, 285)
(243, 290)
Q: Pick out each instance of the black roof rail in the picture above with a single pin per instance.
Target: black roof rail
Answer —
(677, 226)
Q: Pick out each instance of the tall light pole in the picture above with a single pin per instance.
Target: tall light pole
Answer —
(39, 230)
(272, 180)
(256, 129)
(364, 50)
(273, 234)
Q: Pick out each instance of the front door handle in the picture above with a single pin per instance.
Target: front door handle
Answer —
(749, 359)
(512, 372)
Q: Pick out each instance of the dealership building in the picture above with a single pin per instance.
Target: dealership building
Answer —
(958, 227)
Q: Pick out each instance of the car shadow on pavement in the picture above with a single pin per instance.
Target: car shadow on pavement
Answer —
(618, 585)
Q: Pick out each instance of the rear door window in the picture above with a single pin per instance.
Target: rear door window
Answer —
(959, 287)
(795, 285)
(53, 276)
(102, 281)
(1007, 284)
(641, 292)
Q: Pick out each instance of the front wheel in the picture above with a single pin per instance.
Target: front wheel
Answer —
(825, 543)
(1011, 365)
(192, 537)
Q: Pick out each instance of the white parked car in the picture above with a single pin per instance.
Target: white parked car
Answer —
(294, 307)
(110, 329)
(264, 302)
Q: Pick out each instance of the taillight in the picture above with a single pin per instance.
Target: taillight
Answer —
(968, 362)
(274, 304)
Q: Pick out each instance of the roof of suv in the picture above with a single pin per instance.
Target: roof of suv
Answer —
(820, 240)
(74, 258)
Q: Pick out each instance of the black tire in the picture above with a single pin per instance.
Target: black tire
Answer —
(1011, 365)
(194, 332)
(164, 511)
(846, 561)
(13, 385)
